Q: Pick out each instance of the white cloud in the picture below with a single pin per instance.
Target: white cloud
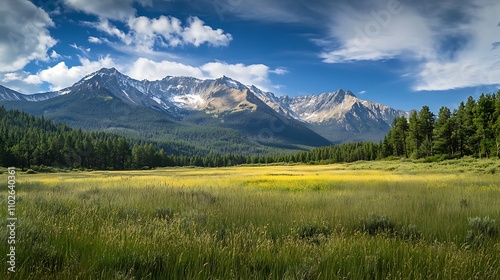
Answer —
(33, 80)
(255, 74)
(445, 52)
(279, 71)
(145, 35)
(111, 9)
(94, 40)
(55, 55)
(105, 26)
(15, 81)
(25, 36)
(83, 50)
(197, 33)
(145, 31)
(476, 65)
(61, 76)
(380, 33)
(147, 69)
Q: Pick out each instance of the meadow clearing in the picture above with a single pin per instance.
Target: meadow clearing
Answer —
(366, 220)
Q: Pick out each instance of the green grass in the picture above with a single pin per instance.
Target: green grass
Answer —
(367, 220)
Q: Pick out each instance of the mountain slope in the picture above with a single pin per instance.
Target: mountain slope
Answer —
(167, 108)
(224, 117)
(338, 116)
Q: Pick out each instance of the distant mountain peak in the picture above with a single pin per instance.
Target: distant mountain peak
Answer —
(232, 83)
(109, 71)
(339, 92)
(101, 73)
(336, 112)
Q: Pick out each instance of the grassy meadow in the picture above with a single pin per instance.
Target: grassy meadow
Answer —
(366, 220)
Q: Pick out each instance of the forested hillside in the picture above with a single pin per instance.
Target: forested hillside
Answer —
(33, 142)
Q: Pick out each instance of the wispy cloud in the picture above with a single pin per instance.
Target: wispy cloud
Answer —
(111, 9)
(449, 44)
(83, 50)
(95, 40)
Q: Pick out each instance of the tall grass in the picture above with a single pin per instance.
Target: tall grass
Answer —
(279, 222)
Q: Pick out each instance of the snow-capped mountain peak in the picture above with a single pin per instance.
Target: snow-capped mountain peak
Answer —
(178, 96)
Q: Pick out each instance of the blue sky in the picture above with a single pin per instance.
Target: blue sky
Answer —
(404, 54)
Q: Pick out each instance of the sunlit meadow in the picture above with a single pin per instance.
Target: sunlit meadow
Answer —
(367, 220)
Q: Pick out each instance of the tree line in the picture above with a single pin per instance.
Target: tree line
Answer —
(473, 129)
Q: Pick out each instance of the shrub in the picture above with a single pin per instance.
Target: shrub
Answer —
(165, 214)
(464, 203)
(480, 230)
(375, 224)
(314, 233)
(30, 171)
(44, 169)
(492, 170)
(411, 232)
(310, 231)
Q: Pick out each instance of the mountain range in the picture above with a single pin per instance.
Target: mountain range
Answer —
(213, 114)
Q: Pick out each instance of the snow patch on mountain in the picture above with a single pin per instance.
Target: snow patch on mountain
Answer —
(188, 101)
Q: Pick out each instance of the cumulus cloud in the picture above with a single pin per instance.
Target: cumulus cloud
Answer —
(61, 76)
(146, 69)
(25, 35)
(17, 81)
(145, 34)
(197, 33)
(145, 31)
(254, 74)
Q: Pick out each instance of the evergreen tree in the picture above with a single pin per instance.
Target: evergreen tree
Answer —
(469, 126)
(460, 133)
(496, 125)
(443, 133)
(415, 138)
(483, 120)
(426, 129)
(398, 136)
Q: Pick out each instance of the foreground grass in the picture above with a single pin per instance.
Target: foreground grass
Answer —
(372, 220)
